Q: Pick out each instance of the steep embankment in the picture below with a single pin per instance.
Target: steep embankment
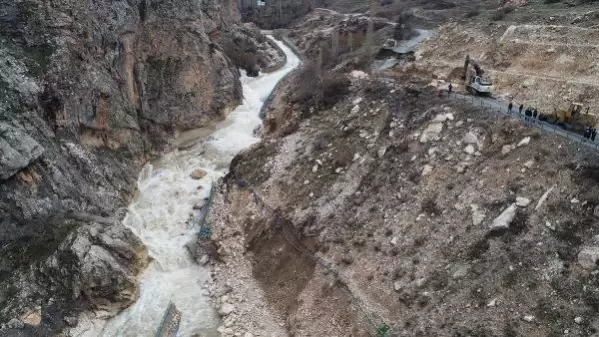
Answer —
(399, 206)
(90, 90)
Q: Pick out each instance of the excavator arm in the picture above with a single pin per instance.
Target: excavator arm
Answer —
(479, 71)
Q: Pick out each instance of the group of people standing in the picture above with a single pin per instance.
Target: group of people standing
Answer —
(529, 112)
(590, 133)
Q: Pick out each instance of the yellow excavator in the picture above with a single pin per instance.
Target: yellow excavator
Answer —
(572, 118)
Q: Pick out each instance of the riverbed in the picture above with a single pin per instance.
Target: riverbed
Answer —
(160, 215)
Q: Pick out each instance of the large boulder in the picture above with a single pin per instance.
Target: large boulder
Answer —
(98, 262)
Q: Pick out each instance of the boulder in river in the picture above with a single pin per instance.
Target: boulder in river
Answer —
(198, 174)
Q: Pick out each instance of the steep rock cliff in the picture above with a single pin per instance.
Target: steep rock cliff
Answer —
(89, 90)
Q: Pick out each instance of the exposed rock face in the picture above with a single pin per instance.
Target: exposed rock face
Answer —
(18, 150)
(89, 90)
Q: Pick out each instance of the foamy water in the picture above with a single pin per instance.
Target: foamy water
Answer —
(159, 217)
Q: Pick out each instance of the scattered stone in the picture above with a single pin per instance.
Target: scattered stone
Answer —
(478, 215)
(198, 174)
(356, 156)
(529, 318)
(319, 162)
(357, 100)
(397, 286)
(503, 221)
(338, 170)
(544, 197)
(394, 240)
(549, 225)
(355, 109)
(588, 257)
(247, 334)
(524, 141)
(470, 138)
(522, 202)
(15, 323)
(596, 211)
(315, 168)
(443, 117)
(33, 318)
(469, 149)
(311, 195)
(461, 167)
(529, 164)
(421, 282)
(492, 303)
(461, 272)
(507, 149)
(431, 133)
(574, 201)
(306, 182)
(226, 309)
(578, 320)
(381, 152)
(427, 170)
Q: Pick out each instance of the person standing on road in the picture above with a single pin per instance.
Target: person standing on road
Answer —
(593, 134)
(509, 107)
(449, 89)
(534, 113)
(521, 107)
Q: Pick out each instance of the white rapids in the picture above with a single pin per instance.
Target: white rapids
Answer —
(166, 195)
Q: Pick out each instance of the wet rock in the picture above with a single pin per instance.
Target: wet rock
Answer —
(203, 260)
(17, 150)
(198, 174)
(226, 309)
(588, 257)
(503, 221)
(522, 202)
(431, 133)
(524, 141)
(15, 323)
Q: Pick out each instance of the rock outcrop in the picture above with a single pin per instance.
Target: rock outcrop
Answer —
(89, 90)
